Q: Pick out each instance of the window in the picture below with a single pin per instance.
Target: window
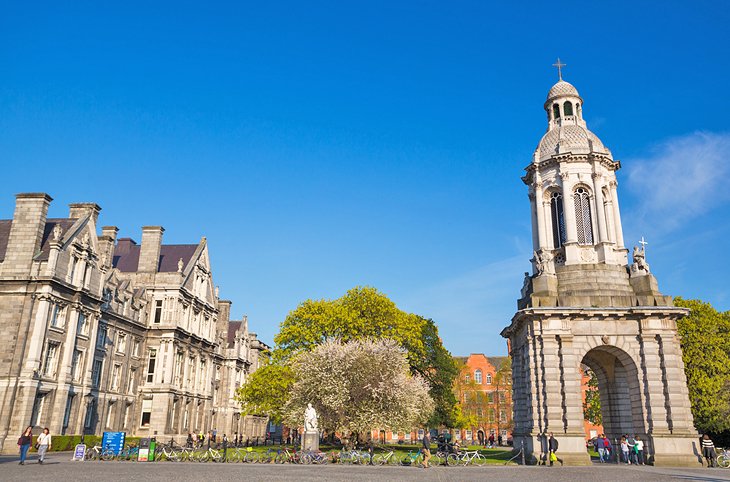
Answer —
(502, 416)
(151, 365)
(491, 415)
(490, 397)
(101, 335)
(131, 381)
(478, 377)
(556, 111)
(90, 412)
(37, 415)
(178, 368)
(57, 317)
(467, 378)
(67, 413)
(116, 375)
(82, 327)
(558, 219)
(96, 373)
(135, 347)
(158, 311)
(121, 342)
(567, 108)
(77, 361)
(502, 397)
(489, 378)
(201, 372)
(146, 413)
(583, 216)
(49, 364)
(125, 418)
(109, 415)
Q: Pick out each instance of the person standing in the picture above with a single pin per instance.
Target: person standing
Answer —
(225, 447)
(553, 448)
(609, 449)
(640, 451)
(708, 450)
(625, 449)
(44, 445)
(426, 449)
(24, 443)
(600, 445)
(632, 449)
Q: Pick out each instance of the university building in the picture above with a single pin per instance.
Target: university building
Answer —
(104, 334)
(486, 399)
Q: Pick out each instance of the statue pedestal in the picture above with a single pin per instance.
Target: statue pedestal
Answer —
(310, 441)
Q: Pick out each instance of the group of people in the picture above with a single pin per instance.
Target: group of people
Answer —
(42, 444)
(632, 449)
(198, 440)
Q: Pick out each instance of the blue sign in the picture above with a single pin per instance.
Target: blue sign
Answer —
(113, 441)
(79, 452)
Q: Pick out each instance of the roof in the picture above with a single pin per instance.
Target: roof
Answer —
(233, 327)
(562, 88)
(126, 255)
(569, 138)
(6, 225)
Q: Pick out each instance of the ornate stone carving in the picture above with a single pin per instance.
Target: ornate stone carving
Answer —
(588, 255)
(180, 265)
(57, 232)
(543, 262)
(639, 267)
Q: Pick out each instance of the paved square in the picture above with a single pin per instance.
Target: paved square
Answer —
(59, 467)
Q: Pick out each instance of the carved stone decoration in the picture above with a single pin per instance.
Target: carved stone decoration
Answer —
(639, 267)
(588, 255)
(605, 339)
(57, 232)
(543, 262)
(180, 265)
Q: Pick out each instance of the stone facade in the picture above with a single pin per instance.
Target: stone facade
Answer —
(583, 304)
(104, 334)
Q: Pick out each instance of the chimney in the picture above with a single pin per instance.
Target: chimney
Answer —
(106, 244)
(81, 210)
(149, 253)
(26, 233)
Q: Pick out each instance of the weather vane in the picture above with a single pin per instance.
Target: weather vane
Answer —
(560, 68)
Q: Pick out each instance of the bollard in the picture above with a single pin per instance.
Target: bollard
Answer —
(522, 451)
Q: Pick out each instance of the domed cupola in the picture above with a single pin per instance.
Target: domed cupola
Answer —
(567, 131)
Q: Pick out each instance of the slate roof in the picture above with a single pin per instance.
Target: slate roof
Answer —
(126, 255)
(6, 224)
(233, 327)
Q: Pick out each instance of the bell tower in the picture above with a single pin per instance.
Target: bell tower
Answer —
(584, 305)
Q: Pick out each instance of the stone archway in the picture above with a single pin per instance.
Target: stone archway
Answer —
(619, 389)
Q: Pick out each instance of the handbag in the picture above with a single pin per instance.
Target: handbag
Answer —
(36, 446)
(553, 457)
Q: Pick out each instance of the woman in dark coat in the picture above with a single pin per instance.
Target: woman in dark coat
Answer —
(24, 443)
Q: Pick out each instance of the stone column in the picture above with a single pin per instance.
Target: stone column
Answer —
(35, 348)
(540, 216)
(616, 215)
(653, 386)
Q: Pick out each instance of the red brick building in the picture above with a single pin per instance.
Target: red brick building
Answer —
(485, 397)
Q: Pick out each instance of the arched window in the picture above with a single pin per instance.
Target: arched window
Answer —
(489, 378)
(556, 111)
(568, 108)
(558, 220)
(583, 216)
(467, 378)
(478, 377)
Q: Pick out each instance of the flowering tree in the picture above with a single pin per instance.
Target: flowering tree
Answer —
(358, 385)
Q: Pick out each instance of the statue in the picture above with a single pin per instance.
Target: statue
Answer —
(639, 266)
(310, 419)
(543, 262)
(57, 232)
(180, 264)
(525, 285)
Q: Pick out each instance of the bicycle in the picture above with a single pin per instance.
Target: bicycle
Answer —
(316, 458)
(130, 452)
(412, 458)
(97, 453)
(210, 455)
(286, 456)
(471, 457)
(723, 460)
(386, 458)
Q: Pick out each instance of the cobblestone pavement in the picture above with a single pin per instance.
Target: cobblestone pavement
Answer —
(59, 467)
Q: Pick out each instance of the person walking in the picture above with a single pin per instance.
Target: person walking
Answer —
(600, 445)
(609, 449)
(44, 444)
(225, 448)
(553, 447)
(24, 443)
(708, 450)
(426, 449)
(625, 449)
(632, 449)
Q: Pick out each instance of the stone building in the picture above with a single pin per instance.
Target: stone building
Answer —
(105, 334)
(584, 304)
(485, 397)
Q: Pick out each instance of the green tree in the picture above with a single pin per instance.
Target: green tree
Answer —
(362, 313)
(592, 400)
(705, 341)
(266, 391)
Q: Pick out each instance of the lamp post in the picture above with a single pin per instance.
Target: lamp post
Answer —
(89, 400)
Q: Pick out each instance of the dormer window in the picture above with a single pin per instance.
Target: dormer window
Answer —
(568, 108)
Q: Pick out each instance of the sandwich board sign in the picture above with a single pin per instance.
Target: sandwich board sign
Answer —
(79, 452)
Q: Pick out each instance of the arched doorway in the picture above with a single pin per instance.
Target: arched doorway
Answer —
(480, 436)
(619, 391)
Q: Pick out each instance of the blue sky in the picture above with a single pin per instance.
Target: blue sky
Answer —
(324, 145)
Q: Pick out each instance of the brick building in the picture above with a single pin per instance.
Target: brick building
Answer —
(105, 334)
(485, 397)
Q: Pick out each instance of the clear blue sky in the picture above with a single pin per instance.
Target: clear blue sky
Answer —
(320, 146)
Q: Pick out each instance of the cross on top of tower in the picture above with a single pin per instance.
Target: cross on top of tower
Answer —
(643, 243)
(560, 66)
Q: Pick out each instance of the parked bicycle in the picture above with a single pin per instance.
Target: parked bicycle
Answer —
(98, 453)
(386, 458)
(471, 458)
(723, 460)
(412, 458)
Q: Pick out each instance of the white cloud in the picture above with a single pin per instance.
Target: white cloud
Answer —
(684, 177)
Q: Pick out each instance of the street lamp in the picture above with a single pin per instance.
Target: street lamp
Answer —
(89, 399)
